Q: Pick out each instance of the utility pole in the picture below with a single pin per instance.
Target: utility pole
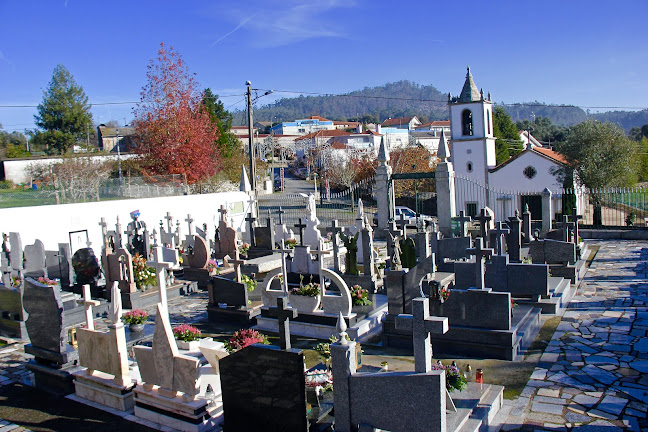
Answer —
(121, 189)
(251, 138)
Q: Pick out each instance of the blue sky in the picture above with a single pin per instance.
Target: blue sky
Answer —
(588, 53)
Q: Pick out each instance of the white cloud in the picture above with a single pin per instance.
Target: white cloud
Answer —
(282, 23)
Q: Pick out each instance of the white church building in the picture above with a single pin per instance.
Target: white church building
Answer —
(479, 181)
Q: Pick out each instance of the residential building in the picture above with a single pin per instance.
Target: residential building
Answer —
(408, 123)
(107, 138)
(303, 126)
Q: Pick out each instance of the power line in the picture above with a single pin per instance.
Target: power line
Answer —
(115, 103)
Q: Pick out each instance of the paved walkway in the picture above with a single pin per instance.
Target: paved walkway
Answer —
(593, 375)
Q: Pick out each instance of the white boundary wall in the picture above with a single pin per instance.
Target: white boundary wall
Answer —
(52, 223)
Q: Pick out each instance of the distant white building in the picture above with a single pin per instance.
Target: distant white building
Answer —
(303, 126)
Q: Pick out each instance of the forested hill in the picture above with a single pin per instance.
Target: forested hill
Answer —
(398, 99)
(405, 98)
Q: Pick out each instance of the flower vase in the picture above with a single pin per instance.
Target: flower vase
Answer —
(134, 328)
(306, 304)
(189, 346)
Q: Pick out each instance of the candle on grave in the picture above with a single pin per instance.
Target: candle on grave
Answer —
(479, 376)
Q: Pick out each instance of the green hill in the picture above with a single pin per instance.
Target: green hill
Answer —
(405, 98)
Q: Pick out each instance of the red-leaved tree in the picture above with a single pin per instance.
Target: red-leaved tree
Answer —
(173, 134)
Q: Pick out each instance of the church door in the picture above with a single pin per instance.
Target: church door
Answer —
(535, 205)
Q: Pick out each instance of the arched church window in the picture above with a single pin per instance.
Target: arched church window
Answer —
(488, 122)
(467, 122)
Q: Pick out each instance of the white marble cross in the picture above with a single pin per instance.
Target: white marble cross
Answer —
(160, 270)
(88, 303)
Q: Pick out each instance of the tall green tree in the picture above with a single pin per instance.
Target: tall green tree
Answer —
(642, 156)
(227, 142)
(599, 154)
(64, 114)
(508, 142)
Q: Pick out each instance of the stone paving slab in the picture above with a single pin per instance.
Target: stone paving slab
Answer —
(597, 359)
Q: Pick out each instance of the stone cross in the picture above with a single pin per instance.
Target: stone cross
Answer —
(484, 218)
(480, 254)
(575, 217)
(281, 212)
(190, 222)
(500, 232)
(88, 303)
(284, 271)
(104, 231)
(402, 225)
(237, 261)
(301, 227)
(463, 220)
(119, 234)
(526, 224)
(169, 220)
(514, 239)
(320, 252)
(160, 270)
(422, 326)
(154, 235)
(283, 315)
(334, 230)
(250, 219)
(566, 225)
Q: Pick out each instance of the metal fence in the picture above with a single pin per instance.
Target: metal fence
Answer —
(605, 208)
(340, 206)
(109, 189)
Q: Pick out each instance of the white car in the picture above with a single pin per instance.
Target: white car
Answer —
(410, 215)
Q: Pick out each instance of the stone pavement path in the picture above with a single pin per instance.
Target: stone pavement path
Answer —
(593, 375)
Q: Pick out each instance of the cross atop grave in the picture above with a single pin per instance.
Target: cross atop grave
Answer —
(119, 234)
(160, 269)
(335, 229)
(269, 220)
(190, 222)
(88, 303)
(480, 254)
(284, 270)
(283, 315)
(526, 224)
(402, 226)
(169, 220)
(422, 326)
(320, 252)
(104, 231)
(500, 232)
(301, 227)
(484, 218)
(223, 213)
(154, 237)
(575, 217)
(281, 212)
(463, 220)
(250, 219)
(566, 225)
(514, 239)
(237, 261)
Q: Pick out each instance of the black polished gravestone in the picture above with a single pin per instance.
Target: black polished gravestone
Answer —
(264, 389)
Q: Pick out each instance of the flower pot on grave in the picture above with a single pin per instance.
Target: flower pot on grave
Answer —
(189, 346)
(302, 303)
(136, 327)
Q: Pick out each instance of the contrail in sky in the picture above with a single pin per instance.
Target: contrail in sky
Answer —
(235, 28)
